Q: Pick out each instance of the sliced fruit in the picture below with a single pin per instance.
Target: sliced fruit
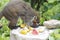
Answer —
(40, 30)
(35, 32)
(23, 32)
(22, 25)
(30, 28)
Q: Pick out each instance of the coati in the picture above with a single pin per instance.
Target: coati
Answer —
(19, 8)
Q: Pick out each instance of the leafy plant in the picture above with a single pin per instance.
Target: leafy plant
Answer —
(55, 35)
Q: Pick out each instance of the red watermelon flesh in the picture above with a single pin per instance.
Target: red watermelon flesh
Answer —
(34, 32)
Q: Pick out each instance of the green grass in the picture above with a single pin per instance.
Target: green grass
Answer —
(5, 31)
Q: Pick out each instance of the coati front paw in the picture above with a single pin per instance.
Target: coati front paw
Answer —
(13, 27)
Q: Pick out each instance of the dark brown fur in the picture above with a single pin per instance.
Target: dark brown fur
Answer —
(18, 8)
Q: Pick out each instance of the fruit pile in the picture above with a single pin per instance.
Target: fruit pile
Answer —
(26, 29)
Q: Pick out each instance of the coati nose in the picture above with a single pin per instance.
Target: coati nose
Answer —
(35, 25)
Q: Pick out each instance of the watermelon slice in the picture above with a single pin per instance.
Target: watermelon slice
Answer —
(35, 32)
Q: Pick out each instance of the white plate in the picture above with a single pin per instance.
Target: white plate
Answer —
(42, 36)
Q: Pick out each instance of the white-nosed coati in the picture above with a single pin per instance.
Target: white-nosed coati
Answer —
(18, 8)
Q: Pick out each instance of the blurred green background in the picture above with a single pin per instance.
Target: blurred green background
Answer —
(48, 9)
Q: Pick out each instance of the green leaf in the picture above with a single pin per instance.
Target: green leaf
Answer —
(51, 1)
(51, 38)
